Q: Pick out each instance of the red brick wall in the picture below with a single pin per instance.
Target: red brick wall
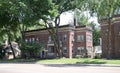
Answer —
(115, 40)
(71, 42)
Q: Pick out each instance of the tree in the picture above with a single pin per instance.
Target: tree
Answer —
(8, 21)
(96, 34)
(104, 9)
(81, 17)
(59, 6)
(31, 49)
(19, 15)
(63, 6)
(110, 9)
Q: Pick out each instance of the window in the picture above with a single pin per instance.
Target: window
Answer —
(65, 50)
(89, 50)
(89, 38)
(51, 49)
(106, 32)
(33, 39)
(49, 39)
(26, 40)
(72, 50)
(119, 33)
(80, 38)
(80, 50)
(65, 37)
(30, 40)
(37, 39)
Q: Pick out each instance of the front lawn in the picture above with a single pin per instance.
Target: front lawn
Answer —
(79, 61)
(64, 61)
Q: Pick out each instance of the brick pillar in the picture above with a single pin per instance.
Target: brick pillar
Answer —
(70, 44)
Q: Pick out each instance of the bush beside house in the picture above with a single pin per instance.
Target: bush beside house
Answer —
(31, 49)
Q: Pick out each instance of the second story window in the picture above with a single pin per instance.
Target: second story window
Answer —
(49, 39)
(65, 37)
(89, 38)
(80, 38)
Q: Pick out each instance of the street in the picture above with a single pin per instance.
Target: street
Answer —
(55, 68)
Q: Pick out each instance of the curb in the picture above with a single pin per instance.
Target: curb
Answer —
(79, 65)
(63, 65)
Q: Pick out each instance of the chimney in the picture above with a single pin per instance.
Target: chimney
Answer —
(75, 22)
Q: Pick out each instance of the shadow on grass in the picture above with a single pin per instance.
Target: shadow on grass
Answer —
(21, 61)
(91, 62)
(85, 63)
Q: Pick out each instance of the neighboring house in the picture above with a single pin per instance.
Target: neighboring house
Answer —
(97, 51)
(8, 51)
(115, 38)
(74, 40)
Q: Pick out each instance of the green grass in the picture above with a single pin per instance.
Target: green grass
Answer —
(79, 61)
(17, 60)
(66, 61)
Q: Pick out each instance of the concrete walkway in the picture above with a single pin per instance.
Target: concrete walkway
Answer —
(55, 68)
(58, 64)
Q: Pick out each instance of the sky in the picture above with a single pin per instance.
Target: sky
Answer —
(67, 18)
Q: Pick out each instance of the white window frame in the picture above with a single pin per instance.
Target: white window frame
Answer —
(64, 49)
(65, 37)
(30, 40)
(49, 39)
(26, 40)
(81, 49)
(80, 38)
(89, 38)
(89, 50)
(33, 39)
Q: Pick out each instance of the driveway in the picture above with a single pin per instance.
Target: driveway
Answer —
(55, 68)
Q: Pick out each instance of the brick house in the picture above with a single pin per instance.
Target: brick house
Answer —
(115, 38)
(73, 40)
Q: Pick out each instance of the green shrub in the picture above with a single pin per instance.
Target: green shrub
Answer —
(2, 52)
(98, 56)
(31, 49)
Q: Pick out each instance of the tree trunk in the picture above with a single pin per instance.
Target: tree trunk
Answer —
(57, 22)
(109, 32)
(23, 33)
(109, 39)
(55, 35)
(9, 41)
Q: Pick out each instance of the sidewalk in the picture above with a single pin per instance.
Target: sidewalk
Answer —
(100, 65)
(62, 65)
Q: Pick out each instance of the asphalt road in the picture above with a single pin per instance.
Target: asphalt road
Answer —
(55, 68)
